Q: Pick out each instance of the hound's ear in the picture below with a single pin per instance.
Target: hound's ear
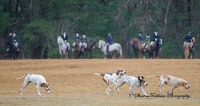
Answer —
(42, 85)
(46, 85)
(138, 77)
(181, 83)
(168, 77)
(117, 72)
(142, 77)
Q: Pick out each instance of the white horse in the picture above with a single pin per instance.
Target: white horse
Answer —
(114, 47)
(64, 47)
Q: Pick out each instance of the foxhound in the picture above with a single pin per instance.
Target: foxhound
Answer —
(132, 82)
(39, 80)
(111, 78)
(172, 81)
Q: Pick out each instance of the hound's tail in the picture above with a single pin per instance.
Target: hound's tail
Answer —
(153, 76)
(98, 74)
(21, 77)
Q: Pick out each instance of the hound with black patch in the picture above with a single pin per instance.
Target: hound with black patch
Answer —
(39, 80)
(111, 78)
(172, 81)
(132, 82)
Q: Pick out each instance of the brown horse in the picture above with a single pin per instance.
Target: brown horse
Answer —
(78, 51)
(138, 49)
(188, 50)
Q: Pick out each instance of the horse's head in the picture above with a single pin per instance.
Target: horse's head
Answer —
(134, 41)
(93, 43)
(59, 40)
(160, 42)
(193, 40)
(101, 43)
(77, 46)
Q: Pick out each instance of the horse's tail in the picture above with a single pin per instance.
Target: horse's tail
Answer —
(21, 77)
(153, 76)
(98, 74)
(120, 52)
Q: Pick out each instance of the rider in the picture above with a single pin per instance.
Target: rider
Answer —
(14, 40)
(77, 39)
(155, 38)
(14, 37)
(65, 37)
(188, 39)
(84, 40)
(108, 41)
(141, 38)
(9, 42)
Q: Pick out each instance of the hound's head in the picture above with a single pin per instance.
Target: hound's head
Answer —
(46, 86)
(185, 84)
(193, 40)
(120, 72)
(142, 82)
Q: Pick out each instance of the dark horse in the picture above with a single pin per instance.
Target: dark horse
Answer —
(89, 48)
(138, 49)
(12, 49)
(156, 47)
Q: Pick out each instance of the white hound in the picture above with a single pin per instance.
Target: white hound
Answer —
(111, 78)
(132, 82)
(39, 80)
(172, 81)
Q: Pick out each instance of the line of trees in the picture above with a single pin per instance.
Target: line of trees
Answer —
(39, 22)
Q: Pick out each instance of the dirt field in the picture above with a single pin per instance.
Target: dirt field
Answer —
(73, 83)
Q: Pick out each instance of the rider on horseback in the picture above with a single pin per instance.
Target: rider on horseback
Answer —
(14, 40)
(77, 39)
(84, 40)
(188, 39)
(156, 38)
(108, 41)
(65, 37)
(141, 38)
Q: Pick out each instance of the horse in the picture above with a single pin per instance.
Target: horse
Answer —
(112, 48)
(64, 47)
(155, 47)
(89, 48)
(139, 51)
(12, 49)
(188, 50)
(78, 50)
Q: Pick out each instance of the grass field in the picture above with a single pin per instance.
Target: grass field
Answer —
(73, 83)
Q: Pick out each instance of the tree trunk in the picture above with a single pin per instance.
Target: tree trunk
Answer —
(189, 12)
(30, 10)
(166, 18)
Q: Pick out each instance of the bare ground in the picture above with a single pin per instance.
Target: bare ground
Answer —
(73, 83)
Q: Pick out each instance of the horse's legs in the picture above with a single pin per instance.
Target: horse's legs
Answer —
(91, 54)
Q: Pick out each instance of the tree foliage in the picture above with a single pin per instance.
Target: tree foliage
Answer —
(39, 22)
